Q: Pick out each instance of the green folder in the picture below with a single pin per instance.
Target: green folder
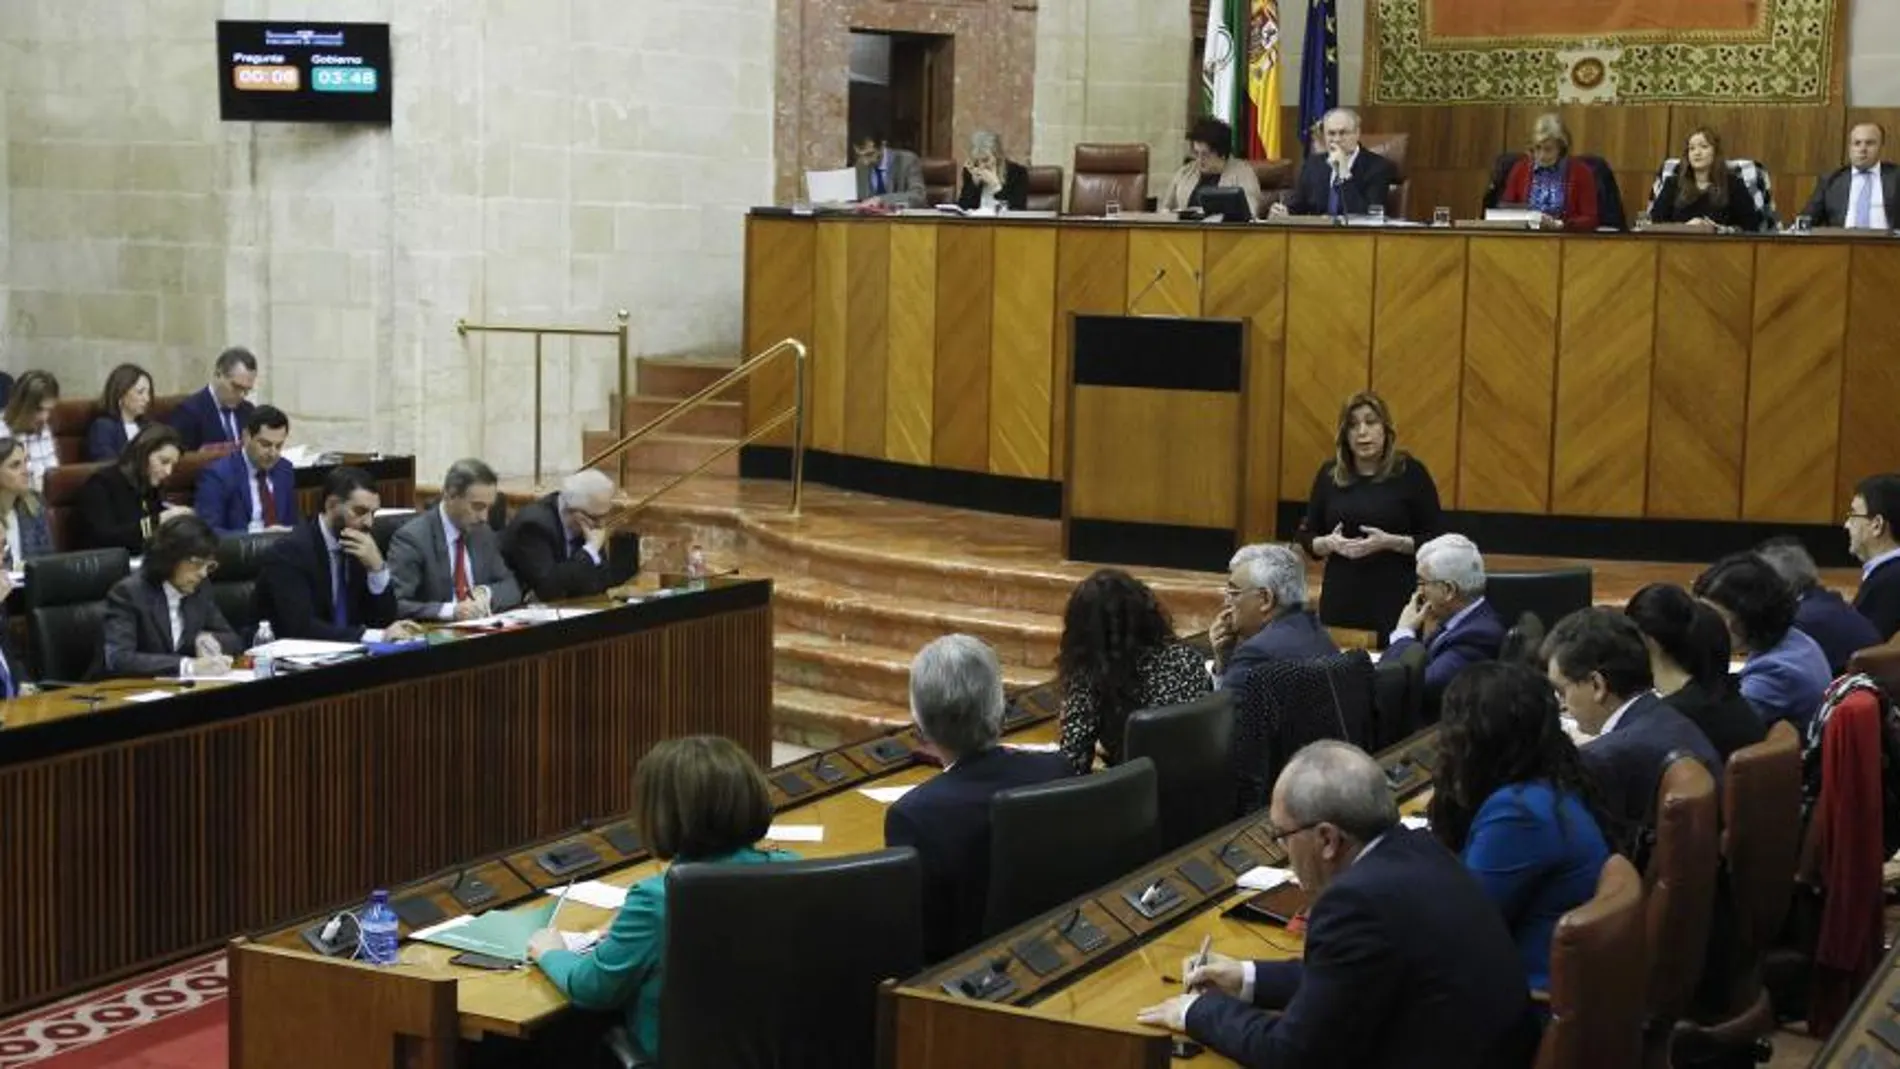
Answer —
(499, 933)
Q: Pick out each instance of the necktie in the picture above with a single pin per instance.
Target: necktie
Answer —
(268, 513)
(462, 590)
(1863, 200)
(877, 181)
(1335, 205)
(228, 420)
(339, 590)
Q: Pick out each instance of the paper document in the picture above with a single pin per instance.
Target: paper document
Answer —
(1528, 216)
(452, 922)
(595, 893)
(235, 675)
(1263, 878)
(796, 833)
(1415, 823)
(886, 795)
(1035, 747)
(832, 187)
(499, 933)
(149, 696)
(542, 614)
(306, 647)
(580, 942)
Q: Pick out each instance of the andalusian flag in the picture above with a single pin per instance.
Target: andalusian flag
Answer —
(1221, 57)
(1263, 79)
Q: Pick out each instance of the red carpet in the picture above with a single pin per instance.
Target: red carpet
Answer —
(171, 1019)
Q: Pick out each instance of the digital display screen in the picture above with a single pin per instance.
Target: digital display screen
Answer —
(303, 71)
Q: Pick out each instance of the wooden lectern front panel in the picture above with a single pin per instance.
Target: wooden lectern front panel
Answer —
(1155, 456)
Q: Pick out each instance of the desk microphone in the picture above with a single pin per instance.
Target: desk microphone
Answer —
(1160, 273)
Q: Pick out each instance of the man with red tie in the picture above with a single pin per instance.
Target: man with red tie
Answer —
(214, 417)
(255, 488)
(447, 561)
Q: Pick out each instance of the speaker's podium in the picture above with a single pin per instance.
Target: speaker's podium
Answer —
(1156, 468)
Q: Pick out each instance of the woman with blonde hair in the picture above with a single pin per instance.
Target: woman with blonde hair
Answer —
(1549, 179)
(22, 512)
(1372, 506)
(29, 420)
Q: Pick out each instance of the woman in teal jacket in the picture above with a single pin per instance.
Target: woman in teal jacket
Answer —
(694, 799)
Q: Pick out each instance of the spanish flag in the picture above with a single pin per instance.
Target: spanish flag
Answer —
(1263, 79)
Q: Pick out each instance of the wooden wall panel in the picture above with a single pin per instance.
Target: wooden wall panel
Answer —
(867, 340)
(1446, 138)
(830, 315)
(1246, 279)
(1605, 349)
(778, 304)
(1460, 190)
(1418, 340)
(1790, 141)
(1510, 358)
(1870, 394)
(1794, 383)
(1631, 138)
(1180, 475)
(1022, 352)
(960, 399)
(1091, 276)
(1705, 296)
(1328, 340)
(1164, 271)
(911, 376)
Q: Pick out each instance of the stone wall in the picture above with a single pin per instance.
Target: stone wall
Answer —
(1112, 70)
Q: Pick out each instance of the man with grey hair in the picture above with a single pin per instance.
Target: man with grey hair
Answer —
(1821, 614)
(558, 546)
(991, 180)
(956, 699)
(1449, 614)
(1264, 615)
(1407, 963)
(446, 563)
(1347, 180)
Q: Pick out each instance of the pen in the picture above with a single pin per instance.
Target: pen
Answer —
(559, 902)
(1200, 959)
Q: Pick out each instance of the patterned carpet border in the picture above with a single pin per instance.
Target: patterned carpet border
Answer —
(96, 1016)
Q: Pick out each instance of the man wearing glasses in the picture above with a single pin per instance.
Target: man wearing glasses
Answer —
(1449, 614)
(163, 621)
(1263, 616)
(1871, 521)
(558, 546)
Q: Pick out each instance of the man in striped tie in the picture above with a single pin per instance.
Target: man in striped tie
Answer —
(1865, 194)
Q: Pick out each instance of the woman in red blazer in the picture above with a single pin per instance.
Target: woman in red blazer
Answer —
(1552, 181)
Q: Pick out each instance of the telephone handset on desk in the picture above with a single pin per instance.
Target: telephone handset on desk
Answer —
(1285, 906)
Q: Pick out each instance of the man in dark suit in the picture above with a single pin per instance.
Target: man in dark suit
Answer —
(1873, 536)
(326, 579)
(1265, 616)
(163, 618)
(216, 414)
(893, 177)
(1865, 194)
(558, 546)
(1408, 963)
(1597, 661)
(1448, 612)
(1820, 613)
(956, 697)
(447, 561)
(255, 488)
(1347, 180)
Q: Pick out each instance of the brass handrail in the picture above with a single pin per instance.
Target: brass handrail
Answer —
(463, 327)
(795, 413)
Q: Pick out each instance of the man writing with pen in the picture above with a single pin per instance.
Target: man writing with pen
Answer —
(1407, 962)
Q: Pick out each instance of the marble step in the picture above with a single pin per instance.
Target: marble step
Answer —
(664, 453)
(867, 616)
(821, 719)
(861, 670)
(714, 419)
(659, 376)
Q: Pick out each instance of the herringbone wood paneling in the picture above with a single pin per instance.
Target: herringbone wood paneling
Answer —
(1328, 338)
(778, 304)
(1418, 335)
(960, 403)
(1173, 255)
(1870, 398)
(1246, 279)
(910, 378)
(867, 339)
(1022, 351)
(1605, 348)
(1183, 471)
(1510, 358)
(1789, 141)
(1705, 297)
(1091, 276)
(830, 319)
(1794, 383)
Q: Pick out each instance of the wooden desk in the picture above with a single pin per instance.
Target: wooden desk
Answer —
(134, 833)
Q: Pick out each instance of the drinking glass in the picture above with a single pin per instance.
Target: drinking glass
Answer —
(1376, 213)
(1803, 225)
(1441, 216)
(1642, 220)
(1112, 210)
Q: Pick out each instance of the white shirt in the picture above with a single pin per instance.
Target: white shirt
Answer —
(13, 561)
(1868, 568)
(453, 537)
(227, 417)
(1617, 717)
(42, 456)
(593, 554)
(1877, 212)
(131, 429)
(1341, 176)
(173, 600)
(257, 499)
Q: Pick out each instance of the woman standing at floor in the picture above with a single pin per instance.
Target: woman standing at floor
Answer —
(1371, 507)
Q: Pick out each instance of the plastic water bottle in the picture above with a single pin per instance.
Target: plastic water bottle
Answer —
(378, 925)
(696, 569)
(261, 666)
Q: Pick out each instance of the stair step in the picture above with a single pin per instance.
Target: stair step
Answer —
(666, 453)
(714, 419)
(866, 616)
(861, 670)
(674, 378)
(822, 720)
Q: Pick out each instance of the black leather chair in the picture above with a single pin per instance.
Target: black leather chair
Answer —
(240, 558)
(1414, 659)
(1053, 841)
(383, 528)
(1190, 746)
(1552, 595)
(66, 609)
(1524, 642)
(1391, 691)
(1283, 705)
(779, 965)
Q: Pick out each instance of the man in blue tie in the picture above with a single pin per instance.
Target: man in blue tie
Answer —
(215, 415)
(1861, 195)
(1347, 180)
(892, 177)
(326, 578)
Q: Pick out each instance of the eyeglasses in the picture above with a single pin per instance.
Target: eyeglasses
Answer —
(1279, 837)
(1860, 515)
(203, 564)
(1235, 593)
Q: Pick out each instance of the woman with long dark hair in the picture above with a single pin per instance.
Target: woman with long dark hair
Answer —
(1784, 672)
(1119, 655)
(1688, 656)
(1512, 799)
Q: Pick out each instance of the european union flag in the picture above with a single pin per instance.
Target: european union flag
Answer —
(1319, 66)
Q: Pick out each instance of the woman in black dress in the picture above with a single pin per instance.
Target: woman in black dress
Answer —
(1703, 191)
(1372, 505)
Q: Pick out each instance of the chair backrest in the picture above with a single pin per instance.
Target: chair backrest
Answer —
(1761, 832)
(940, 180)
(62, 502)
(72, 418)
(1398, 199)
(1597, 973)
(1283, 705)
(1045, 188)
(1681, 888)
(1610, 211)
(1523, 641)
(779, 964)
(1108, 172)
(1754, 175)
(383, 528)
(1190, 746)
(240, 559)
(65, 608)
(1415, 659)
(1391, 686)
(1053, 841)
(1552, 594)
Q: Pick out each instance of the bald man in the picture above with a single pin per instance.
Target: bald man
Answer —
(559, 546)
(1865, 194)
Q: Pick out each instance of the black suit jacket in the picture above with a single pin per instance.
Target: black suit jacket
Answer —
(1878, 599)
(1371, 176)
(1627, 763)
(948, 820)
(138, 628)
(113, 513)
(1408, 965)
(199, 423)
(1832, 203)
(538, 551)
(1015, 191)
(294, 585)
